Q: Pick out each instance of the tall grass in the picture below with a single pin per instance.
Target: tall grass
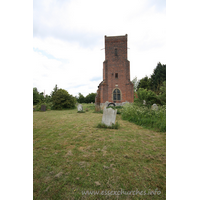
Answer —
(144, 116)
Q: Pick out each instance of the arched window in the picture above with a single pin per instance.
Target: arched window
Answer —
(116, 95)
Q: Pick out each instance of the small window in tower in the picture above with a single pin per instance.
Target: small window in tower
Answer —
(116, 75)
(115, 52)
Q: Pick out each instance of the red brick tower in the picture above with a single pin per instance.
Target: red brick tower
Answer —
(116, 86)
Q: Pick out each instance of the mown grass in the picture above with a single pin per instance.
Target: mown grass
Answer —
(71, 155)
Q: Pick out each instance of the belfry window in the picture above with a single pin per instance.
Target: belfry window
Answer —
(116, 75)
(116, 95)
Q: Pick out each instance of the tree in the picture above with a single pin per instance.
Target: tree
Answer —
(36, 96)
(55, 89)
(90, 98)
(158, 77)
(144, 83)
(135, 83)
(62, 99)
(162, 94)
(147, 95)
(81, 98)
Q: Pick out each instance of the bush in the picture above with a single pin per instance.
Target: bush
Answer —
(119, 108)
(143, 116)
(48, 106)
(62, 100)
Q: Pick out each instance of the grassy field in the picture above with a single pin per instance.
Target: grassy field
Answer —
(71, 156)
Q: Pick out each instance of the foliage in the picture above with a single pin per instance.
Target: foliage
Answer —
(81, 98)
(144, 83)
(39, 97)
(90, 98)
(147, 95)
(55, 89)
(36, 96)
(62, 100)
(114, 126)
(135, 83)
(143, 116)
(48, 106)
(158, 77)
(119, 108)
(162, 95)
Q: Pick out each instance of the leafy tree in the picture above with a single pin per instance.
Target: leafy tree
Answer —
(136, 83)
(55, 89)
(147, 95)
(158, 77)
(81, 98)
(36, 96)
(90, 98)
(62, 99)
(144, 83)
(162, 94)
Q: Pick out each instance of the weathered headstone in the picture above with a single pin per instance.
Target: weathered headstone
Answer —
(102, 106)
(80, 107)
(109, 116)
(154, 107)
(144, 102)
(43, 108)
(91, 102)
(123, 103)
(97, 108)
(106, 103)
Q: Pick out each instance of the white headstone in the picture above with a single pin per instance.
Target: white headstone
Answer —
(109, 116)
(154, 107)
(144, 102)
(91, 102)
(80, 107)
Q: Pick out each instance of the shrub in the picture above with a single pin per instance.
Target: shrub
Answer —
(143, 116)
(48, 106)
(147, 95)
(62, 100)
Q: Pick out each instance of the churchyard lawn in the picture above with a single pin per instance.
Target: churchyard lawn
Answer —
(71, 157)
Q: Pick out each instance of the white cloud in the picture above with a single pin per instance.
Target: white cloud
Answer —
(73, 32)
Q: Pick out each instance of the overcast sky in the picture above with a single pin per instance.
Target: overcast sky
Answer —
(68, 38)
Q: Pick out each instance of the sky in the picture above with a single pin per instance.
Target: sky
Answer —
(68, 40)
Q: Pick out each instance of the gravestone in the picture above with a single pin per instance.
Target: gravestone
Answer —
(154, 107)
(106, 103)
(97, 108)
(123, 103)
(43, 108)
(80, 107)
(91, 102)
(109, 116)
(144, 102)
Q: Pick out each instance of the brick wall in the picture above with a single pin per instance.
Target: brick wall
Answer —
(116, 63)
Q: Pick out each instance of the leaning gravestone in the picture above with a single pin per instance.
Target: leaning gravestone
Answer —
(109, 116)
(43, 108)
(154, 107)
(80, 107)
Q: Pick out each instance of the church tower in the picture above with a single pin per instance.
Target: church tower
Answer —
(116, 86)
